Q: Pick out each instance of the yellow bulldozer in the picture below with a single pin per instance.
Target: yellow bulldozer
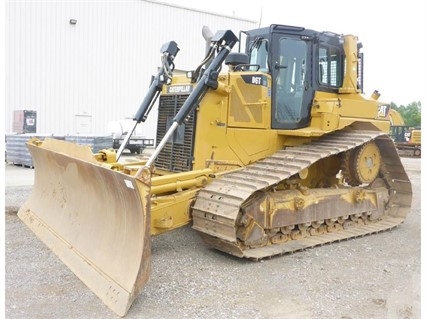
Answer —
(407, 139)
(266, 151)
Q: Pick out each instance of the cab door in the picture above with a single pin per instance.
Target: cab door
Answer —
(292, 91)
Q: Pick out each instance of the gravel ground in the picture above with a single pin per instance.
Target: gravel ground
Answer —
(376, 276)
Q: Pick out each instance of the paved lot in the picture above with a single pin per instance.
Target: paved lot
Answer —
(376, 276)
(16, 176)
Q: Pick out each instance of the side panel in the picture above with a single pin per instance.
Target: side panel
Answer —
(233, 123)
(250, 100)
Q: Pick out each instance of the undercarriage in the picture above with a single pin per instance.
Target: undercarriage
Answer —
(344, 185)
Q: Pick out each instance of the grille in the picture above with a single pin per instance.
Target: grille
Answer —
(176, 156)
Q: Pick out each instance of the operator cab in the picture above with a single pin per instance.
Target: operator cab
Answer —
(300, 62)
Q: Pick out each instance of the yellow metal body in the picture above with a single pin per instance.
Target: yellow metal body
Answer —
(235, 131)
(236, 125)
(395, 118)
(416, 136)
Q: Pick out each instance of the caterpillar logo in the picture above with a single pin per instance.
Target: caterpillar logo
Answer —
(179, 89)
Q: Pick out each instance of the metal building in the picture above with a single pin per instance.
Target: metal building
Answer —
(82, 65)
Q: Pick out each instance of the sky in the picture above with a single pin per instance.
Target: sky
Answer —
(392, 35)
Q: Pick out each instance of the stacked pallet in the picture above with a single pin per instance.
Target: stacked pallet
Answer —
(17, 153)
(97, 143)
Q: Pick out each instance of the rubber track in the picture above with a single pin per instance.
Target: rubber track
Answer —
(216, 209)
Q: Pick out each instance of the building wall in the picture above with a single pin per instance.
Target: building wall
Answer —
(82, 77)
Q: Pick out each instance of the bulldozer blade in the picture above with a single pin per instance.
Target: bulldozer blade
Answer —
(96, 220)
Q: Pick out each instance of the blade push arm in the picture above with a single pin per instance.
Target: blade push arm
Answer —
(169, 51)
(223, 42)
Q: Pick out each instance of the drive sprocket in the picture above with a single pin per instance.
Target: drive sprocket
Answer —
(361, 165)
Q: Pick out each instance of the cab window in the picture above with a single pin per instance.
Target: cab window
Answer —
(259, 55)
(330, 66)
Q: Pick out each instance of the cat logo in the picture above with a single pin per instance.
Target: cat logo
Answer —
(383, 110)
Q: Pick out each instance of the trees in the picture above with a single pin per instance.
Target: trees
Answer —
(410, 113)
